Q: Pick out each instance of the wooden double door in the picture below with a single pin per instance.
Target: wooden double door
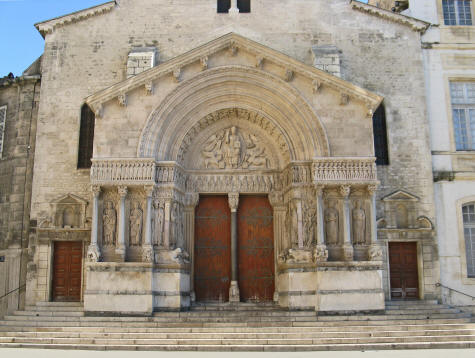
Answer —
(403, 270)
(255, 249)
(67, 268)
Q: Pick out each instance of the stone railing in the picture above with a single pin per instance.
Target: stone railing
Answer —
(137, 171)
(344, 170)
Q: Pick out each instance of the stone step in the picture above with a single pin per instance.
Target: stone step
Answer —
(412, 302)
(252, 348)
(422, 311)
(78, 308)
(59, 304)
(254, 335)
(49, 313)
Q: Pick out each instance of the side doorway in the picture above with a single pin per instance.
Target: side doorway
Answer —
(403, 270)
(67, 270)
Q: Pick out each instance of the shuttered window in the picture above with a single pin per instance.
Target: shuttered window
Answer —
(380, 136)
(3, 119)
(86, 137)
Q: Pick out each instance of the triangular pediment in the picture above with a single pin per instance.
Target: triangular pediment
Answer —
(70, 199)
(401, 195)
(237, 45)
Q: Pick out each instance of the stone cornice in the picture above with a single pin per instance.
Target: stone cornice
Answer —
(48, 26)
(228, 41)
(416, 25)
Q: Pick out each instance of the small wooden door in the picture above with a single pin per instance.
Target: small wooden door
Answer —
(403, 270)
(67, 267)
(212, 257)
(255, 249)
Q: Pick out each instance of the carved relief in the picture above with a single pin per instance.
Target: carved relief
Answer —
(292, 224)
(310, 221)
(177, 226)
(230, 149)
(158, 222)
(109, 219)
(331, 223)
(136, 220)
(359, 224)
(69, 212)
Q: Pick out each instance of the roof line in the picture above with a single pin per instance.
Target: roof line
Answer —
(48, 26)
(415, 24)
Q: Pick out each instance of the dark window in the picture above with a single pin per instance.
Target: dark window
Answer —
(457, 12)
(86, 137)
(380, 136)
(223, 6)
(244, 5)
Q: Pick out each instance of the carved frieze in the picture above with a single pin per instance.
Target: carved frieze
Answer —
(123, 171)
(344, 170)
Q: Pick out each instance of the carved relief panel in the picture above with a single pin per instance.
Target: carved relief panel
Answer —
(69, 212)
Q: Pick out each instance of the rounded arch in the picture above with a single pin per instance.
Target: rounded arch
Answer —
(240, 87)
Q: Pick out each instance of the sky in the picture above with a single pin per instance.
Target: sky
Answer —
(21, 43)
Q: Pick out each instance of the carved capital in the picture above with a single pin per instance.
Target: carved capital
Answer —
(204, 63)
(148, 254)
(276, 198)
(93, 253)
(192, 199)
(319, 189)
(345, 191)
(122, 190)
(371, 189)
(233, 200)
(149, 190)
(96, 190)
(122, 99)
(176, 74)
(320, 253)
(375, 253)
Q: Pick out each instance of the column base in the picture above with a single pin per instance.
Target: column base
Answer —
(346, 253)
(93, 253)
(120, 254)
(320, 253)
(234, 292)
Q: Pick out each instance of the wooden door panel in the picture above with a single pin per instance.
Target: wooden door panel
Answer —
(212, 257)
(403, 270)
(67, 268)
(255, 249)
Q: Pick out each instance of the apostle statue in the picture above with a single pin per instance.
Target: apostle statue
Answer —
(359, 224)
(331, 223)
(109, 220)
(136, 220)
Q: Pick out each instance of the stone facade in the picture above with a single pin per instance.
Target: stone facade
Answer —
(19, 97)
(235, 106)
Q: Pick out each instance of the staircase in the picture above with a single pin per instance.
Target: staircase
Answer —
(240, 327)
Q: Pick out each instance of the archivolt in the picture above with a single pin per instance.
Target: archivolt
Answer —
(233, 87)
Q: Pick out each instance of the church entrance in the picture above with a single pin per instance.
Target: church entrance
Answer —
(403, 270)
(255, 245)
(67, 268)
(255, 249)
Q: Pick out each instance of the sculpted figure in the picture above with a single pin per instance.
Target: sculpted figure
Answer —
(136, 220)
(359, 223)
(109, 220)
(293, 225)
(255, 155)
(233, 148)
(310, 221)
(331, 223)
(159, 220)
(212, 153)
(174, 224)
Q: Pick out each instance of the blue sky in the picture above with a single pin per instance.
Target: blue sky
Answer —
(21, 43)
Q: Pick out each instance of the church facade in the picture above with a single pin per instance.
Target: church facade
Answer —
(273, 151)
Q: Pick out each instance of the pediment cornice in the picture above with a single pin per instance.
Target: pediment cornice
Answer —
(234, 43)
(414, 24)
(48, 26)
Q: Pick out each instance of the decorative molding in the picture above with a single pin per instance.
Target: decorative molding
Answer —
(233, 200)
(344, 99)
(345, 170)
(176, 74)
(259, 62)
(233, 41)
(137, 171)
(316, 86)
(204, 63)
(47, 27)
(233, 48)
(289, 74)
(416, 25)
(122, 98)
(149, 88)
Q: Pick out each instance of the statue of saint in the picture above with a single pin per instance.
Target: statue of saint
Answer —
(136, 220)
(109, 220)
(233, 148)
(359, 224)
(159, 221)
(331, 223)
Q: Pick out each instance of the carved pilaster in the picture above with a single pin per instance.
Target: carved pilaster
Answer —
(347, 248)
(233, 200)
(320, 252)
(120, 247)
(148, 254)
(93, 251)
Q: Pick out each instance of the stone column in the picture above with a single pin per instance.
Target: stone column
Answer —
(93, 251)
(277, 201)
(120, 250)
(375, 253)
(148, 254)
(233, 199)
(347, 248)
(166, 227)
(321, 252)
(191, 200)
